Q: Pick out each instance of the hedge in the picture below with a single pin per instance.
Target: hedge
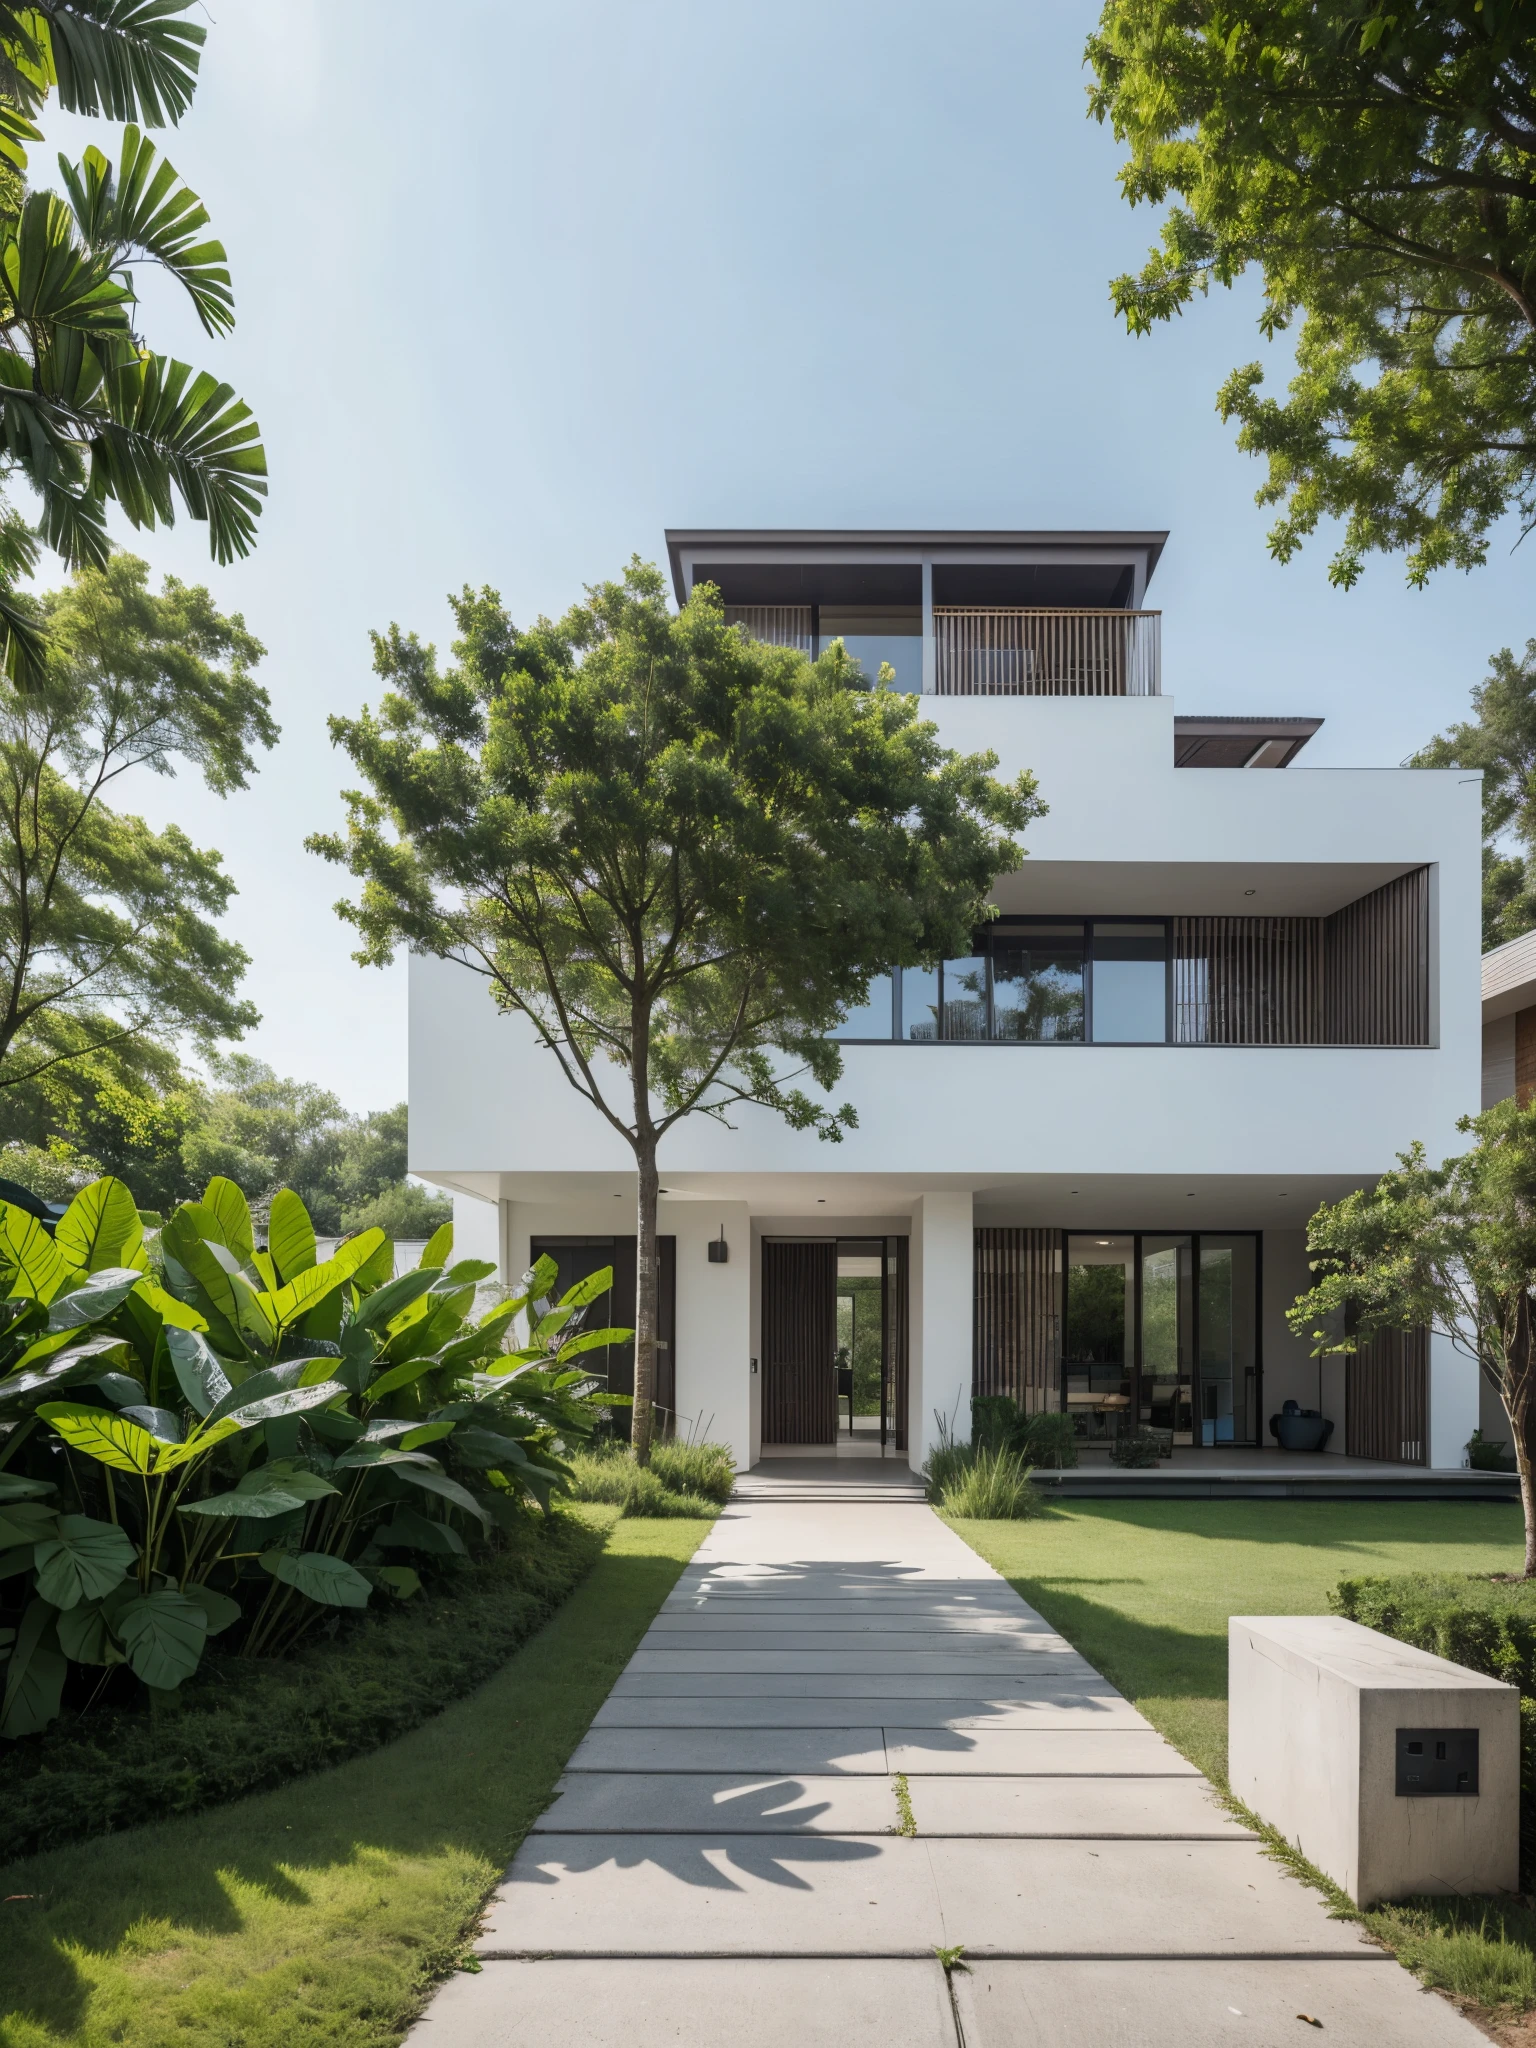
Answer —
(1489, 1625)
(244, 1725)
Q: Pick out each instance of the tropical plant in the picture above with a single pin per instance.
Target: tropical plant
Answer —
(987, 1485)
(1376, 163)
(89, 415)
(1450, 1249)
(244, 1435)
(676, 853)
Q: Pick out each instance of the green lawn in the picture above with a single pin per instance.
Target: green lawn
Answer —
(322, 1912)
(1144, 1590)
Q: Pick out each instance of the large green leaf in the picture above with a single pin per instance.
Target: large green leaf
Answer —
(164, 1633)
(129, 60)
(101, 1228)
(269, 1490)
(29, 1258)
(220, 1610)
(82, 1560)
(290, 1236)
(306, 1289)
(14, 1487)
(168, 430)
(199, 1373)
(330, 1580)
(57, 1366)
(590, 1289)
(206, 1437)
(25, 1521)
(221, 1294)
(434, 1480)
(144, 206)
(99, 1297)
(108, 1438)
(85, 1637)
(34, 1674)
(408, 1530)
(225, 1201)
(398, 1579)
(393, 1297)
(439, 1247)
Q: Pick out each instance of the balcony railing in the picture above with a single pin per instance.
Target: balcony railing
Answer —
(1014, 651)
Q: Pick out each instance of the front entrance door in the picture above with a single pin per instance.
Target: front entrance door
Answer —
(799, 1341)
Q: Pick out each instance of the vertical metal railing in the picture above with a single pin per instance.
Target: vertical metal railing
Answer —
(780, 625)
(1029, 651)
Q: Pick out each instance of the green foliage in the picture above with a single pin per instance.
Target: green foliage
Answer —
(1044, 1438)
(239, 1727)
(1377, 166)
(1137, 1449)
(678, 853)
(679, 1480)
(1500, 740)
(1489, 1625)
(1487, 1454)
(89, 415)
(252, 1449)
(1449, 1248)
(404, 1209)
(986, 1485)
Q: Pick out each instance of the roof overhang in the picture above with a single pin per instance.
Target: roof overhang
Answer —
(1509, 978)
(1240, 742)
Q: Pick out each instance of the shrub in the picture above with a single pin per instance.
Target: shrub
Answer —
(992, 1486)
(1489, 1454)
(1046, 1438)
(706, 1469)
(241, 1726)
(1140, 1448)
(608, 1475)
(1489, 1625)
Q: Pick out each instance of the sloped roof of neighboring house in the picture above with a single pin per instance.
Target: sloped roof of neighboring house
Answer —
(1509, 977)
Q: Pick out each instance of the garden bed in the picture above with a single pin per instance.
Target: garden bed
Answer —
(244, 1725)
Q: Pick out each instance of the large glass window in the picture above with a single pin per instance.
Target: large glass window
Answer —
(965, 999)
(1098, 1349)
(872, 1018)
(1228, 1360)
(1130, 984)
(1167, 1336)
(919, 1004)
(872, 635)
(1037, 983)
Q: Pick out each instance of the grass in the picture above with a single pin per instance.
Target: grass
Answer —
(991, 1484)
(1144, 1590)
(682, 1479)
(322, 1913)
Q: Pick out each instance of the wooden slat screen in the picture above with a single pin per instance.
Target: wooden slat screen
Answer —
(895, 1337)
(780, 625)
(1017, 1322)
(799, 1341)
(1386, 1404)
(1376, 966)
(1030, 651)
(615, 1364)
(1359, 977)
(1247, 980)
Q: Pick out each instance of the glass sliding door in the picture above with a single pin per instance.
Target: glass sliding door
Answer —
(1098, 1349)
(1165, 1393)
(1227, 1309)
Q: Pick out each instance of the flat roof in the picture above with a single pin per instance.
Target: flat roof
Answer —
(1509, 977)
(1239, 742)
(978, 545)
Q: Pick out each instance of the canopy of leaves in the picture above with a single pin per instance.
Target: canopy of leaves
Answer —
(89, 415)
(1375, 160)
(671, 847)
(108, 929)
(1500, 739)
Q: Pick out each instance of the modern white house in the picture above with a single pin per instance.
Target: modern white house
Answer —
(1223, 987)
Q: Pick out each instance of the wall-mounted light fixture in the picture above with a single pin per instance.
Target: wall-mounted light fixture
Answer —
(719, 1250)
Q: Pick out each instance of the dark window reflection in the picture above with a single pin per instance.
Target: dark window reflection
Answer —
(965, 999)
(1037, 984)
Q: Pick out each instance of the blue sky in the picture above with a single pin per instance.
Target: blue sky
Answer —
(519, 285)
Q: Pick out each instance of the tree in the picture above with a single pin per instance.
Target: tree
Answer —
(680, 854)
(1501, 741)
(89, 415)
(1451, 1249)
(1375, 160)
(108, 940)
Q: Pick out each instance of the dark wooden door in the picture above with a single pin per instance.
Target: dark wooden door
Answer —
(799, 1342)
(576, 1258)
(1386, 1398)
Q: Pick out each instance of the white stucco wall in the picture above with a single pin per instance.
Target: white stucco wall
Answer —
(939, 1370)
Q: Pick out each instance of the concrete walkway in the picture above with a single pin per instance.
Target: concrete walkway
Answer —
(726, 1862)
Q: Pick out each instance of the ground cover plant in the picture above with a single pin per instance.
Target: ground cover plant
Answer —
(320, 1915)
(1144, 1590)
(250, 1458)
(681, 1479)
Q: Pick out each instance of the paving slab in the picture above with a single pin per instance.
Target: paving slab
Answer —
(685, 1628)
(850, 1751)
(610, 1802)
(1037, 1898)
(786, 1657)
(988, 1750)
(1362, 2003)
(830, 1685)
(1079, 1808)
(690, 1895)
(1065, 1707)
(656, 2002)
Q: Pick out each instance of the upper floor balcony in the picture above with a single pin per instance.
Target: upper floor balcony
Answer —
(952, 614)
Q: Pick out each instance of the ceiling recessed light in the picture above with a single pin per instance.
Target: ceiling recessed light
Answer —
(1190, 1196)
(1101, 1240)
(822, 1200)
(1250, 892)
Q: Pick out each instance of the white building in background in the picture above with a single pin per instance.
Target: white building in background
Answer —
(1223, 987)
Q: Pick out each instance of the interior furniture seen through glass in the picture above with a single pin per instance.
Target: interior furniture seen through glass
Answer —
(860, 1332)
(1032, 982)
(1178, 1354)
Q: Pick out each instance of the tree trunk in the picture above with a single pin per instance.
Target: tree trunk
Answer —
(1521, 1410)
(646, 1275)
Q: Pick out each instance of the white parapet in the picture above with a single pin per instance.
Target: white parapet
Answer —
(1393, 1771)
